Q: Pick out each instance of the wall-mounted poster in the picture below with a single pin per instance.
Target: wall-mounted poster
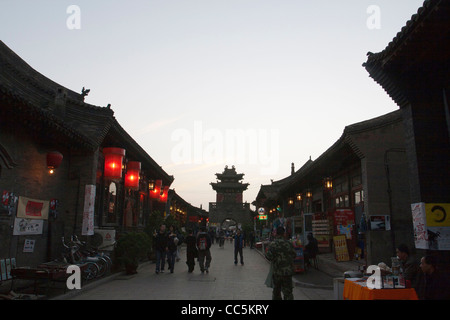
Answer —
(431, 222)
(344, 221)
(381, 223)
(27, 226)
(28, 245)
(32, 208)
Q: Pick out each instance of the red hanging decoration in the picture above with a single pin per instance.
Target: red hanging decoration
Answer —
(163, 195)
(113, 162)
(156, 192)
(132, 176)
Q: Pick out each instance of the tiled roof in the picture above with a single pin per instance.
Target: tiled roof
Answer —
(86, 124)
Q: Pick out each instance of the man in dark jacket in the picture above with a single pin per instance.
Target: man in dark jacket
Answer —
(238, 245)
(203, 245)
(432, 283)
(161, 246)
(191, 251)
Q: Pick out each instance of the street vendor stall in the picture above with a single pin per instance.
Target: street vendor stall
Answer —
(356, 289)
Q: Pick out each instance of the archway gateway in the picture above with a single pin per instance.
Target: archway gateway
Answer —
(228, 224)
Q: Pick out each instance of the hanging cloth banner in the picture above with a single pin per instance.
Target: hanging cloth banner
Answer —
(88, 213)
(32, 209)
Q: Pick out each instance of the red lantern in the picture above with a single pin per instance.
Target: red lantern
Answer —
(54, 159)
(132, 176)
(163, 196)
(113, 162)
(156, 192)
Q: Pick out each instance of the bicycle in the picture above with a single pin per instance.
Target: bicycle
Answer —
(71, 255)
(86, 252)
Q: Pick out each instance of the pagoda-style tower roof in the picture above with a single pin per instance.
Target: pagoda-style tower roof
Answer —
(229, 180)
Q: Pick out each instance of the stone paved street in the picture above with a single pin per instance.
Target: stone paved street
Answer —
(225, 281)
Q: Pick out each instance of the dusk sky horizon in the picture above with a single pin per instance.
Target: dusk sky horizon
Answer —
(258, 84)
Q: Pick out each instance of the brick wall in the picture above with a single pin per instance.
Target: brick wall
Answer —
(30, 178)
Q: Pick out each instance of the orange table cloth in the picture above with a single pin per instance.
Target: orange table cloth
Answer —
(358, 291)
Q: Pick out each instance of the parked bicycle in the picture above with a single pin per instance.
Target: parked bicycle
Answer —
(86, 252)
(71, 255)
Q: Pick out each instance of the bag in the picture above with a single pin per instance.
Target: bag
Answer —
(202, 242)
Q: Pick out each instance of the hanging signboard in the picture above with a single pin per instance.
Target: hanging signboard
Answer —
(32, 209)
(88, 213)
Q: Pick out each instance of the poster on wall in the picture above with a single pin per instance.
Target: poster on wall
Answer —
(431, 223)
(27, 226)
(380, 223)
(28, 245)
(438, 225)
(32, 209)
(344, 221)
(419, 225)
(88, 212)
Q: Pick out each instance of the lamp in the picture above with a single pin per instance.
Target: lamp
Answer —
(132, 176)
(54, 159)
(163, 195)
(328, 183)
(299, 197)
(156, 191)
(113, 162)
(308, 194)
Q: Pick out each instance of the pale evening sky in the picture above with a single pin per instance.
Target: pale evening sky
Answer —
(201, 84)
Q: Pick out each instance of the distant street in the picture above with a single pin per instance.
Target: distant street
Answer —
(225, 281)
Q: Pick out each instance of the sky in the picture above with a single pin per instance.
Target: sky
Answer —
(201, 84)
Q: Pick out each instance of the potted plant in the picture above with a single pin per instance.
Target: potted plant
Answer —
(130, 249)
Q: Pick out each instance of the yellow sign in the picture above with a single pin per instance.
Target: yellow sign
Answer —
(340, 248)
(438, 214)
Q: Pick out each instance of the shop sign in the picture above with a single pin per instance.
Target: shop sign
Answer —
(262, 217)
(340, 248)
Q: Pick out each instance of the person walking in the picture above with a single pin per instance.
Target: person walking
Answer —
(191, 251)
(238, 245)
(161, 246)
(172, 244)
(203, 245)
(281, 254)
